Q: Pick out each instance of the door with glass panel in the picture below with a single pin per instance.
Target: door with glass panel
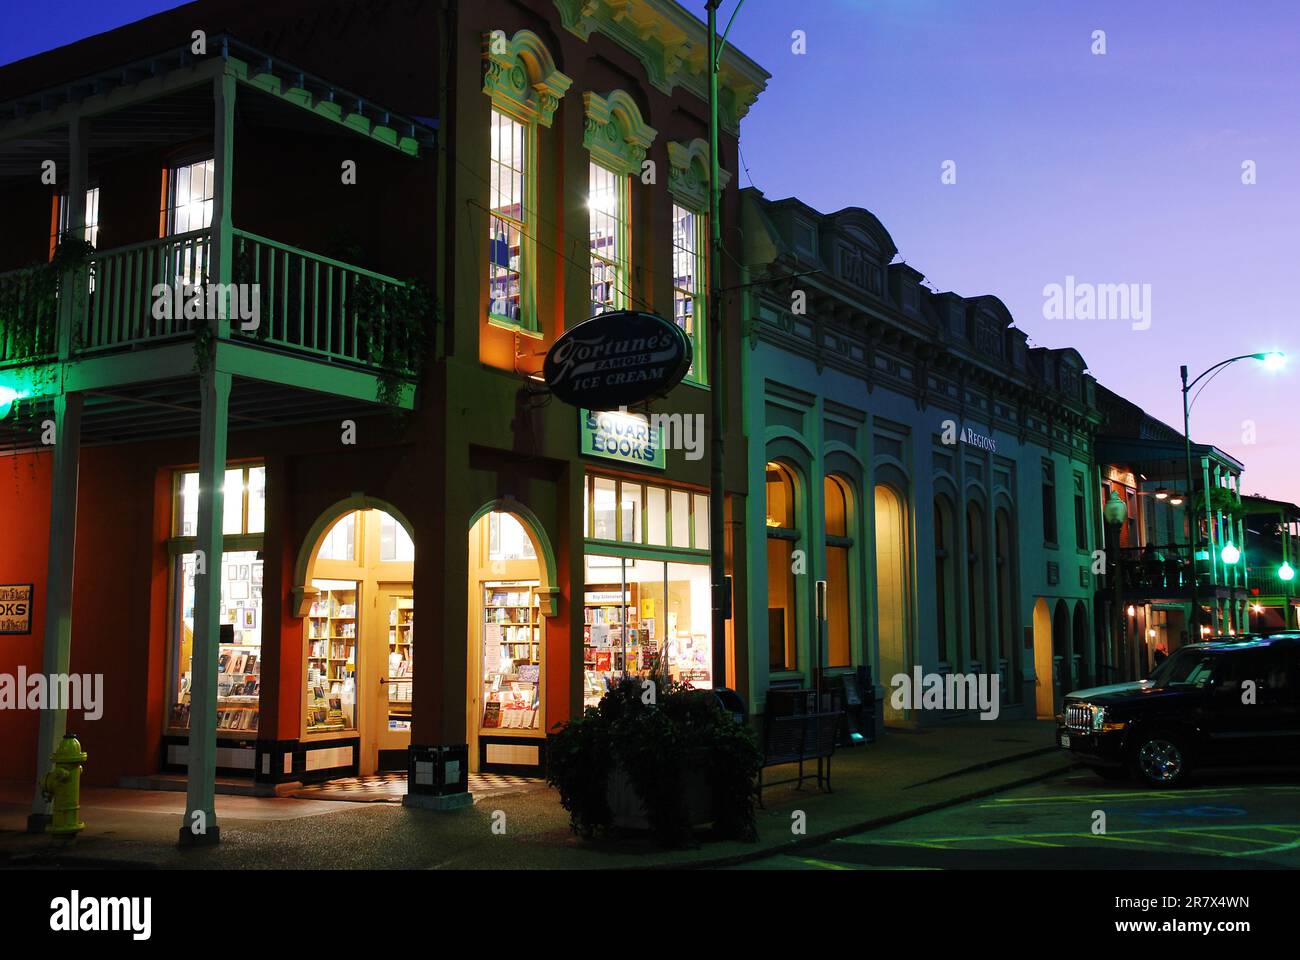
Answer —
(390, 657)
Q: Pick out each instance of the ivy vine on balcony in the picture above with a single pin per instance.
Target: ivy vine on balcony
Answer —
(29, 305)
(394, 322)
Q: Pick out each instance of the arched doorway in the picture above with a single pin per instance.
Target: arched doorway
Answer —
(1061, 654)
(1044, 668)
(358, 607)
(1081, 643)
(893, 617)
(510, 596)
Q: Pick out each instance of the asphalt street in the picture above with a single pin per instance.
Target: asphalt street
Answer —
(1078, 821)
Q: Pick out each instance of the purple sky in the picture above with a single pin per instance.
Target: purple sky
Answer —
(1122, 168)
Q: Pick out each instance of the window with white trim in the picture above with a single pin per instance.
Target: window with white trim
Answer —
(607, 200)
(689, 283)
(509, 180)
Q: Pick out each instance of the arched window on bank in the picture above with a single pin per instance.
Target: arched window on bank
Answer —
(839, 644)
(977, 584)
(782, 539)
(1005, 562)
(944, 580)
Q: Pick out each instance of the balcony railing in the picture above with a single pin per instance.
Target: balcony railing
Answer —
(306, 303)
(1167, 571)
(1269, 584)
(120, 309)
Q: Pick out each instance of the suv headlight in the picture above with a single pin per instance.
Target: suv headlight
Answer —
(1098, 718)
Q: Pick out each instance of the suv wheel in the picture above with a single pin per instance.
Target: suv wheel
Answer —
(1160, 760)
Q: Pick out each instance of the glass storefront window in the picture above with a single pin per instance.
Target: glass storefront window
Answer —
(507, 539)
(341, 541)
(239, 664)
(701, 514)
(512, 653)
(838, 652)
(395, 545)
(681, 517)
(782, 537)
(629, 496)
(243, 502)
(657, 516)
(604, 519)
(331, 697)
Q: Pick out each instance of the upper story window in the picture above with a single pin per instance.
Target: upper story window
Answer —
(243, 503)
(1049, 501)
(189, 197)
(1080, 514)
(510, 180)
(607, 201)
(689, 283)
(520, 77)
(91, 233)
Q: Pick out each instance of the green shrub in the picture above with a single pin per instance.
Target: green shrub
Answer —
(657, 744)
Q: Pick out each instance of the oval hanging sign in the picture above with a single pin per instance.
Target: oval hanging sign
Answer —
(616, 359)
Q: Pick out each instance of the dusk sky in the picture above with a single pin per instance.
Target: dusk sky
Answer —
(1124, 168)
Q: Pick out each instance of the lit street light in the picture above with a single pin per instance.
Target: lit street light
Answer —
(1272, 360)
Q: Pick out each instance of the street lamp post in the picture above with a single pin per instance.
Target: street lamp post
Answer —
(1115, 513)
(1273, 360)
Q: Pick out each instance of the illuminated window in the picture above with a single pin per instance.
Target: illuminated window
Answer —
(839, 652)
(189, 197)
(395, 543)
(509, 182)
(689, 283)
(607, 201)
(782, 537)
(91, 233)
(243, 502)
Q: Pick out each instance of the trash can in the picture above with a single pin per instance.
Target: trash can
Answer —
(733, 703)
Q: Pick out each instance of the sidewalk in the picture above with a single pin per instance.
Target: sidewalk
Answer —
(903, 774)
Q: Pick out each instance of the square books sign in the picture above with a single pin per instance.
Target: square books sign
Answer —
(16, 608)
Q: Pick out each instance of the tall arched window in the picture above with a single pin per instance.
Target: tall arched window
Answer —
(1005, 566)
(839, 649)
(977, 585)
(892, 592)
(782, 538)
(944, 580)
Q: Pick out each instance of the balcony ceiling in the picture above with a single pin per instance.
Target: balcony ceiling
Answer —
(178, 118)
(170, 410)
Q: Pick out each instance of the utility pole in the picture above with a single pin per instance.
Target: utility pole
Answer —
(1194, 632)
(714, 318)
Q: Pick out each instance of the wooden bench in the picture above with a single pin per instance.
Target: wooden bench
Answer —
(798, 739)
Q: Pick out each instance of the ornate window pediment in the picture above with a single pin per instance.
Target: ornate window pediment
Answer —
(688, 173)
(520, 76)
(615, 133)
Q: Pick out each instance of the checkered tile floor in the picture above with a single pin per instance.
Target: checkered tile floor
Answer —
(391, 787)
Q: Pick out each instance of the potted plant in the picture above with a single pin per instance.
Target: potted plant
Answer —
(660, 756)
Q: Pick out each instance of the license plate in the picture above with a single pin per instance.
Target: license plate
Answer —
(1065, 740)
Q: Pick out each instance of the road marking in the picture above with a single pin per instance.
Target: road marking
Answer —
(824, 864)
(1032, 843)
(1215, 836)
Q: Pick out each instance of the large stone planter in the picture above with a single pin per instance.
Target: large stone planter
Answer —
(628, 808)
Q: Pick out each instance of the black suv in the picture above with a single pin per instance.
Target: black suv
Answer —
(1197, 709)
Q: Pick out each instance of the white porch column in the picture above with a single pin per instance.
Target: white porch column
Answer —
(63, 493)
(200, 825)
(58, 588)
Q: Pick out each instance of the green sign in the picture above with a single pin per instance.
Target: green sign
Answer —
(622, 436)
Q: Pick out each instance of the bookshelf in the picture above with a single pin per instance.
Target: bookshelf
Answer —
(512, 656)
(332, 661)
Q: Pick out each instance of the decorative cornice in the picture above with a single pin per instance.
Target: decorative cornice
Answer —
(520, 76)
(615, 133)
(672, 45)
(688, 173)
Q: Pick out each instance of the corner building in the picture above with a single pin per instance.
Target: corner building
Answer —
(430, 594)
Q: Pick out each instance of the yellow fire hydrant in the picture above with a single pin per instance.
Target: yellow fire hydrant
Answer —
(62, 787)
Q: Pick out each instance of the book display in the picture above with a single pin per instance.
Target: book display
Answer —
(331, 627)
(401, 660)
(239, 651)
(511, 655)
(605, 607)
